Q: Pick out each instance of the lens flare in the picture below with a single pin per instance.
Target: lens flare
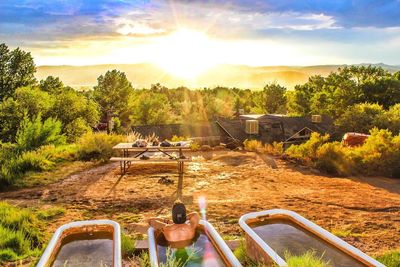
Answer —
(202, 206)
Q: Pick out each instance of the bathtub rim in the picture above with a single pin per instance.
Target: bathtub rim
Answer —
(222, 246)
(46, 256)
(297, 218)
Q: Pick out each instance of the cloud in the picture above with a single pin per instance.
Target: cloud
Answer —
(339, 28)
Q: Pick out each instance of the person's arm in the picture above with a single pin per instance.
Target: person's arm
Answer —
(157, 223)
(194, 219)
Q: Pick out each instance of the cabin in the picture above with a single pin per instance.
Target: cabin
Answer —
(264, 127)
(269, 128)
(202, 133)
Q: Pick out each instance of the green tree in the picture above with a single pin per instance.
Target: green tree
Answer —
(301, 98)
(10, 118)
(51, 84)
(76, 112)
(113, 91)
(361, 118)
(150, 108)
(275, 99)
(33, 101)
(27, 101)
(17, 69)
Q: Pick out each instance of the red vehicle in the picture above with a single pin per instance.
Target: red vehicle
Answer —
(354, 139)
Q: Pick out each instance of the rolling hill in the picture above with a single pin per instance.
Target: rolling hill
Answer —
(143, 75)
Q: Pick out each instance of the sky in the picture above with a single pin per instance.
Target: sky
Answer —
(175, 34)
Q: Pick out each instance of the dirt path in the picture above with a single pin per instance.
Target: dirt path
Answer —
(234, 183)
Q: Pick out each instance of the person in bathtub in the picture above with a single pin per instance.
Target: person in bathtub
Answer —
(182, 229)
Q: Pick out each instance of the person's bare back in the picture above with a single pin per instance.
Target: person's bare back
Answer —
(182, 228)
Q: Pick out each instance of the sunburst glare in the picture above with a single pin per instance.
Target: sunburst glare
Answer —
(185, 53)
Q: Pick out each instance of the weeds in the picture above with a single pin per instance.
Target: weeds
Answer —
(51, 213)
(308, 259)
(144, 259)
(21, 231)
(390, 259)
(127, 245)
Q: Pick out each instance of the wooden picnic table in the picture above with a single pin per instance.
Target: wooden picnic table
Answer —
(132, 153)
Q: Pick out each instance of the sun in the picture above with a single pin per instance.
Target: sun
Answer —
(185, 53)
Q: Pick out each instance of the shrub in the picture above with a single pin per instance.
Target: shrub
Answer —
(32, 161)
(379, 155)
(176, 138)
(390, 259)
(252, 145)
(194, 146)
(98, 146)
(33, 134)
(59, 153)
(307, 152)
(331, 158)
(76, 129)
(276, 148)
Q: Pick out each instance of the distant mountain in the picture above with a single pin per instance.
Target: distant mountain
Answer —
(143, 75)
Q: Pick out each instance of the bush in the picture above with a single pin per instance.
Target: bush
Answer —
(307, 152)
(76, 129)
(98, 146)
(379, 155)
(194, 146)
(276, 148)
(252, 145)
(176, 138)
(61, 153)
(332, 158)
(33, 134)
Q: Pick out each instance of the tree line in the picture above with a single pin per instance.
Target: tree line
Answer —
(358, 98)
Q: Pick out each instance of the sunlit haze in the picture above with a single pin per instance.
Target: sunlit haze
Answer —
(186, 38)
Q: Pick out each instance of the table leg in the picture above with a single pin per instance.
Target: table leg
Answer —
(180, 179)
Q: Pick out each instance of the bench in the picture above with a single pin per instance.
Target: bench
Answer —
(150, 160)
(126, 161)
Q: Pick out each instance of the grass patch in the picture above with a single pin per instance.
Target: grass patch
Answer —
(308, 259)
(241, 254)
(128, 218)
(390, 259)
(230, 237)
(51, 213)
(61, 171)
(22, 231)
(127, 245)
(342, 233)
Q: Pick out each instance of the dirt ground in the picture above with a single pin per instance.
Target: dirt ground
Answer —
(234, 183)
